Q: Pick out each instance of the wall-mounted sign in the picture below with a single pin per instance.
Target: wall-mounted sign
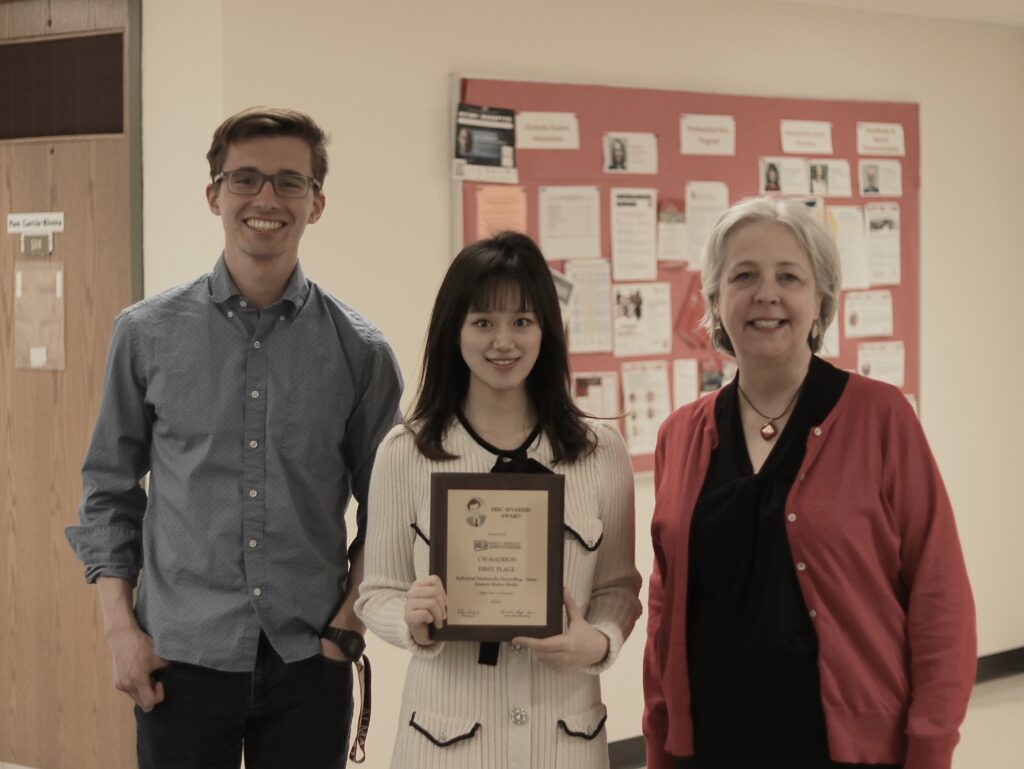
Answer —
(36, 243)
(51, 221)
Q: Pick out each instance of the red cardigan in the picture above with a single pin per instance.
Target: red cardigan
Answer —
(884, 581)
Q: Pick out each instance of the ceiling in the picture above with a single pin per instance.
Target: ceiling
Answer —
(1004, 12)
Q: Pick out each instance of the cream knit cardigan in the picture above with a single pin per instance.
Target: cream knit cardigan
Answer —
(519, 714)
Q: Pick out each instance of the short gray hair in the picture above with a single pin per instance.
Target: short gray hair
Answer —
(810, 234)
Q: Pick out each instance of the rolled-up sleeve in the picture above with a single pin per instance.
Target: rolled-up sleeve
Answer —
(108, 539)
(375, 412)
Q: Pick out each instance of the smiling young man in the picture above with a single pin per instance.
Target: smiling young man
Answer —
(255, 401)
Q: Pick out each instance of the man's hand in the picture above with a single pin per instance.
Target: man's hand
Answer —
(132, 650)
(346, 618)
(134, 663)
(425, 604)
(580, 646)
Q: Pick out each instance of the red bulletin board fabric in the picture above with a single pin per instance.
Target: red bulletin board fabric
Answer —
(602, 109)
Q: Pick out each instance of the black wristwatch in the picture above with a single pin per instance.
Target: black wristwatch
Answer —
(350, 642)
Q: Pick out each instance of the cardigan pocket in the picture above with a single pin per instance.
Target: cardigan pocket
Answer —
(581, 741)
(588, 532)
(583, 539)
(441, 742)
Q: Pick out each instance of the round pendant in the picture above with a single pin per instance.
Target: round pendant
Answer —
(768, 431)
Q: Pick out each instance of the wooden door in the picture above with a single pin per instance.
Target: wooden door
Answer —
(58, 709)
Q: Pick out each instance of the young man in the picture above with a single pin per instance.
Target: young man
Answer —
(255, 400)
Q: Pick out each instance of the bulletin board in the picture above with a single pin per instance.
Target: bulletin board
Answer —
(601, 111)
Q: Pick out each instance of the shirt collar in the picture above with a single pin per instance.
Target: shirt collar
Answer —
(222, 287)
(297, 289)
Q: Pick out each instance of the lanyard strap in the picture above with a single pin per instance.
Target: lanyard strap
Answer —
(362, 667)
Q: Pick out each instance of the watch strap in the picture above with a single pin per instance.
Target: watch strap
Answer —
(349, 641)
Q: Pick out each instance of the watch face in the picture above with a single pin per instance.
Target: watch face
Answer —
(354, 646)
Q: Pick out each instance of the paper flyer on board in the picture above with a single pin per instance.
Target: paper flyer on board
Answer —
(847, 226)
(867, 314)
(634, 233)
(630, 153)
(564, 289)
(830, 178)
(645, 401)
(880, 139)
(547, 131)
(485, 145)
(590, 313)
(569, 222)
(500, 207)
(643, 319)
(785, 175)
(883, 242)
(705, 203)
(885, 361)
(597, 393)
(806, 137)
(882, 178)
(685, 381)
(673, 245)
(707, 135)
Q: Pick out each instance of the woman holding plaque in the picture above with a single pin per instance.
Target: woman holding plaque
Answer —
(494, 397)
(809, 606)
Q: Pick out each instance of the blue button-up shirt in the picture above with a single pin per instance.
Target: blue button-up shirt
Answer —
(257, 427)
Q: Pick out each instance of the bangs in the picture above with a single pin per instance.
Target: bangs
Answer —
(498, 293)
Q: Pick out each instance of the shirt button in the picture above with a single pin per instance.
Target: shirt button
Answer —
(254, 394)
(791, 517)
(817, 431)
(243, 303)
(231, 313)
(253, 543)
(254, 444)
(813, 613)
(280, 317)
(517, 648)
(802, 476)
(253, 492)
(257, 591)
(519, 716)
(801, 566)
(257, 344)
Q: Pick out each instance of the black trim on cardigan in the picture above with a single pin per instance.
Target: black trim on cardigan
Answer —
(584, 735)
(440, 743)
(582, 541)
(418, 530)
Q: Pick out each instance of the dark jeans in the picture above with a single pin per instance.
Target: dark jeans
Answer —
(284, 716)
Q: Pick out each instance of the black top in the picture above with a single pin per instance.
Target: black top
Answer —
(743, 595)
(754, 683)
(509, 461)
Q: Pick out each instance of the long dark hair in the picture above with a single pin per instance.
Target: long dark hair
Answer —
(479, 278)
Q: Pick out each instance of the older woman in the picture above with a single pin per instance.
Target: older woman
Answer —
(809, 605)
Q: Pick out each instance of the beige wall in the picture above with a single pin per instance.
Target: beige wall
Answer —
(376, 74)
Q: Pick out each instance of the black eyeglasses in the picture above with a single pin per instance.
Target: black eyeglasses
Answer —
(244, 182)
